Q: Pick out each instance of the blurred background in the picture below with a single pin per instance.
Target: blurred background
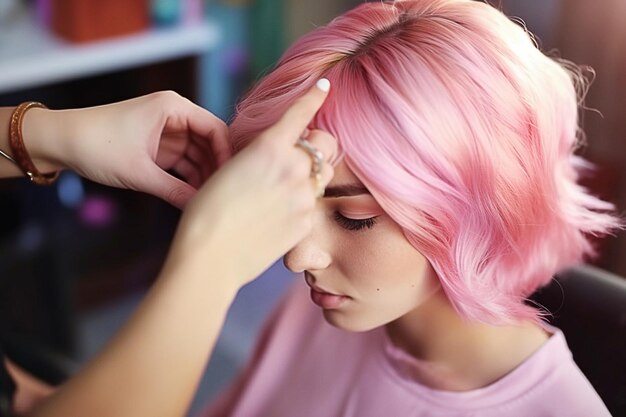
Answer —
(75, 258)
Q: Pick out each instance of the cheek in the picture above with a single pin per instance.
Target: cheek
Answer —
(386, 263)
(406, 283)
(386, 285)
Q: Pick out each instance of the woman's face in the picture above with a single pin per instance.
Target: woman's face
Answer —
(361, 269)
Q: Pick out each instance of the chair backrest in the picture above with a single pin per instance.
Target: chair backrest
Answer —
(589, 305)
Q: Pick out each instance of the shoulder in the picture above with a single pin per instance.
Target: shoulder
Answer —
(560, 387)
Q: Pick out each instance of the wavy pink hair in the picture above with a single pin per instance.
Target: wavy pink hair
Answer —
(464, 133)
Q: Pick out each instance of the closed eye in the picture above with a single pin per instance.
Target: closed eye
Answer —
(354, 224)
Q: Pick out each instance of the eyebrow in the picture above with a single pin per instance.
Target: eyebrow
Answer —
(347, 190)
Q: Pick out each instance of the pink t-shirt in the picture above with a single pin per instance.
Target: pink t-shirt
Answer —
(304, 367)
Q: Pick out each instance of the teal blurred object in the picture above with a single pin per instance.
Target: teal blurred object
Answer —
(166, 12)
(226, 68)
(253, 39)
(268, 34)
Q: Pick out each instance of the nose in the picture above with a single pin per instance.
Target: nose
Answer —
(308, 255)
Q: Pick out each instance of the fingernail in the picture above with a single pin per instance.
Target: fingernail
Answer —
(323, 84)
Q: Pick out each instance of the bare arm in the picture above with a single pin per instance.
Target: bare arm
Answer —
(152, 366)
(129, 144)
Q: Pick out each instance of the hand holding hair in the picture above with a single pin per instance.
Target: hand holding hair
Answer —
(129, 144)
(260, 203)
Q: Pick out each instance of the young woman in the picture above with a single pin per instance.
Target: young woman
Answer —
(454, 199)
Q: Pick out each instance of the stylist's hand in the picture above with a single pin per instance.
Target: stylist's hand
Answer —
(260, 203)
(252, 210)
(130, 144)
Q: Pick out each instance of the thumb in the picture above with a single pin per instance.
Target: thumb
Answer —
(166, 187)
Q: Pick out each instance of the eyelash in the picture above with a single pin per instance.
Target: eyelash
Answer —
(354, 225)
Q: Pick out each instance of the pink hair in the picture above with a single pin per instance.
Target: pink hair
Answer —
(464, 133)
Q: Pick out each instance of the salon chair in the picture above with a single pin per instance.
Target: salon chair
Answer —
(589, 305)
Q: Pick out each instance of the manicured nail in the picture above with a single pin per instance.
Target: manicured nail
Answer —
(323, 84)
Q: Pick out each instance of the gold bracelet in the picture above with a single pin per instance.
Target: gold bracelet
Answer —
(20, 155)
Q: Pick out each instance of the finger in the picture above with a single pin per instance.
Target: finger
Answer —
(322, 142)
(300, 113)
(170, 149)
(326, 175)
(328, 172)
(325, 142)
(166, 187)
(303, 161)
(317, 184)
(220, 149)
(208, 128)
(202, 158)
(205, 128)
(189, 171)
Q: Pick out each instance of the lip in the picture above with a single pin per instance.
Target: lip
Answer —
(322, 297)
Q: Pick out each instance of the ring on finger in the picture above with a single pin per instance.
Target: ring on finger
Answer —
(317, 160)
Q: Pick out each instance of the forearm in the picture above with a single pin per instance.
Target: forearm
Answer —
(44, 134)
(152, 367)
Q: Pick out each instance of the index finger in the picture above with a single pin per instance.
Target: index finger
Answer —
(298, 116)
(211, 130)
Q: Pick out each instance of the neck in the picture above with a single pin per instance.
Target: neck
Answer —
(459, 355)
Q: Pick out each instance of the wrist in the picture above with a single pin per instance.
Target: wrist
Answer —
(44, 135)
(205, 264)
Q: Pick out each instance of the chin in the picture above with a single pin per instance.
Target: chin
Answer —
(349, 323)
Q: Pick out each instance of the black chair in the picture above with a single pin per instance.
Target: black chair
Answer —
(589, 305)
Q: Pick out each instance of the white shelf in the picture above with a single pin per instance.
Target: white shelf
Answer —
(31, 56)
